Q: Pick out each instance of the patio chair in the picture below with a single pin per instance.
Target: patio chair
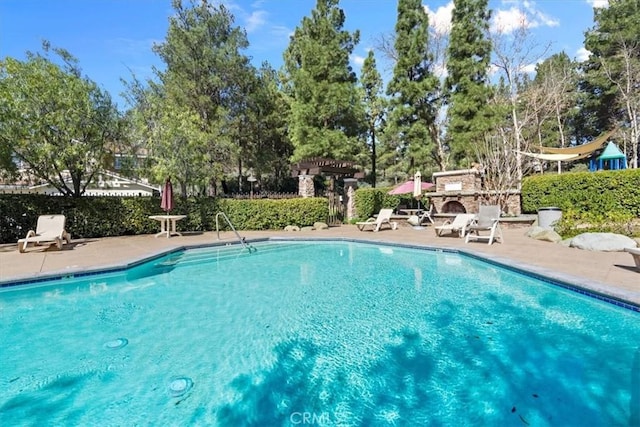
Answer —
(49, 229)
(488, 219)
(426, 215)
(458, 225)
(384, 217)
(635, 253)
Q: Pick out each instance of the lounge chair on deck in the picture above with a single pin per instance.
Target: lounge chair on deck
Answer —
(384, 217)
(488, 219)
(635, 253)
(49, 229)
(458, 225)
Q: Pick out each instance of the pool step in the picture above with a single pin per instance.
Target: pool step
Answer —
(213, 255)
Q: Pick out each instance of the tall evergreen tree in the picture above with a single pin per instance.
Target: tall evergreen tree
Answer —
(326, 116)
(612, 73)
(270, 148)
(207, 79)
(413, 88)
(468, 57)
(374, 106)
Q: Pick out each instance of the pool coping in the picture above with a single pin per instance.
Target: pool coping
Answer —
(587, 287)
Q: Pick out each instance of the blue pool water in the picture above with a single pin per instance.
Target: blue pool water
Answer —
(315, 333)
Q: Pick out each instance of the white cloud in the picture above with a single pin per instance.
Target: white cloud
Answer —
(440, 20)
(524, 15)
(507, 21)
(280, 32)
(529, 68)
(357, 60)
(256, 20)
(582, 54)
(598, 3)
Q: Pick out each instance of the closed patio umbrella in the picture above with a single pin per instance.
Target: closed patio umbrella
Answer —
(166, 203)
(417, 185)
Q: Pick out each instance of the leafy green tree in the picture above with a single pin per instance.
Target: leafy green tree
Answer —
(374, 106)
(468, 57)
(326, 117)
(413, 88)
(54, 120)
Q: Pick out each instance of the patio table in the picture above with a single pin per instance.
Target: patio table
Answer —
(168, 224)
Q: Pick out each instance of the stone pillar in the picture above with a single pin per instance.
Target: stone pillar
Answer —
(305, 186)
(350, 187)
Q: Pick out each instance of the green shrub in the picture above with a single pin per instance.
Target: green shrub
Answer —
(597, 193)
(90, 217)
(573, 223)
(369, 201)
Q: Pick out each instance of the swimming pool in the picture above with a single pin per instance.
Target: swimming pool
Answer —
(324, 333)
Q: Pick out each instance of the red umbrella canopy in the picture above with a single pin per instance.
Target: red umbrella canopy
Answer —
(407, 187)
(166, 203)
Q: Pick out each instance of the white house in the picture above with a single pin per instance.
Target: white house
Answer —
(106, 184)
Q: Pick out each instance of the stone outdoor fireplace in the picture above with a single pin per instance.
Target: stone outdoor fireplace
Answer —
(462, 191)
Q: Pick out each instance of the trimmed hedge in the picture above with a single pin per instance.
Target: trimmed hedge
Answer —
(369, 201)
(598, 193)
(91, 217)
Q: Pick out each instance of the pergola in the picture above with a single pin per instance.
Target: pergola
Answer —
(324, 166)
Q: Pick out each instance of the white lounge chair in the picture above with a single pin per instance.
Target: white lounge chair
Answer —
(635, 253)
(50, 229)
(488, 219)
(384, 217)
(458, 225)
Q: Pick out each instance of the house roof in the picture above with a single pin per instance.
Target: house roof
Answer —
(112, 175)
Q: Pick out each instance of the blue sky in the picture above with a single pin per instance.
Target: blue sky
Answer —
(112, 37)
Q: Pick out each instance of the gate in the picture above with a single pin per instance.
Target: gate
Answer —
(337, 209)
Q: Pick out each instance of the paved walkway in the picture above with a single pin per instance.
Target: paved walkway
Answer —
(611, 273)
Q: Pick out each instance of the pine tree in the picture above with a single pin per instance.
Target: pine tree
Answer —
(374, 106)
(468, 57)
(612, 73)
(205, 83)
(326, 117)
(413, 88)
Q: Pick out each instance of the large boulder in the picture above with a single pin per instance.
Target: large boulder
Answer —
(544, 234)
(320, 226)
(606, 242)
(292, 228)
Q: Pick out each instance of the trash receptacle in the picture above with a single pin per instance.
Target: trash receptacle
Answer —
(549, 216)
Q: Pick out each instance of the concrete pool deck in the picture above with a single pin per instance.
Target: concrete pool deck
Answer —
(609, 273)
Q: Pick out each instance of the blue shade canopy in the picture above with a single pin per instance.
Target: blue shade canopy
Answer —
(611, 152)
(611, 157)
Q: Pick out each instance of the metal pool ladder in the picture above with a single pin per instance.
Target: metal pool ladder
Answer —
(241, 239)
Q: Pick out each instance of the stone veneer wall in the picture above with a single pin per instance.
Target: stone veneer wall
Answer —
(471, 202)
(469, 179)
(350, 187)
(470, 193)
(306, 187)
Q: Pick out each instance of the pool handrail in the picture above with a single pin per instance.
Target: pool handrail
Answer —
(240, 238)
